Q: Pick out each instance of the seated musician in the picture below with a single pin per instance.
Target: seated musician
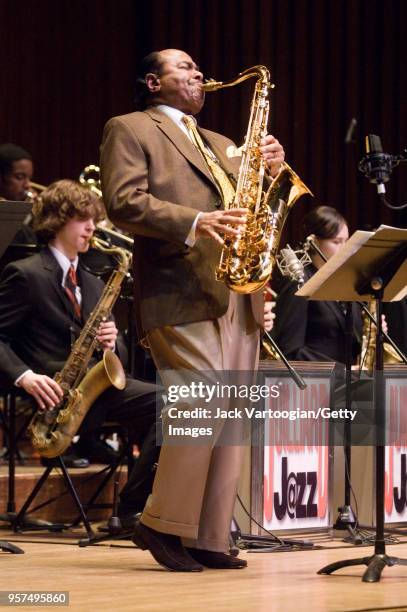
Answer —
(44, 302)
(16, 171)
(309, 330)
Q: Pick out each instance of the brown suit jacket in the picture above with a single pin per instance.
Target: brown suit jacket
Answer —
(154, 182)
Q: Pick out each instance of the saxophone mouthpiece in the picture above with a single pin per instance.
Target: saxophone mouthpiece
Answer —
(98, 243)
(212, 85)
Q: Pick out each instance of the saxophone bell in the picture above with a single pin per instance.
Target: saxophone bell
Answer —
(366, 359)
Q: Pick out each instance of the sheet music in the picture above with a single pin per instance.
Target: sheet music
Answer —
(12, 216)
(359, 258)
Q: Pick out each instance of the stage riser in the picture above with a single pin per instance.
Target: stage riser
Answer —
(62, 510)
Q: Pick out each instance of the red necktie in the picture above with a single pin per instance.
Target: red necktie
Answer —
(70, 288)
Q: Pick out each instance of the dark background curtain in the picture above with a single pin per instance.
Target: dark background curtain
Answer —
(69, 65)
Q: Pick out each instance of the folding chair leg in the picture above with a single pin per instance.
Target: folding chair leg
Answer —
(72, 490)
(18, 522)
(19, 519)
(11, 410)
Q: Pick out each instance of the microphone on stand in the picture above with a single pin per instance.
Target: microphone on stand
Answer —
(376, 165)
(310, 243)
(292, 263)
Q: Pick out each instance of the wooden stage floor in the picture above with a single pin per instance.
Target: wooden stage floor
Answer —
(120, 577)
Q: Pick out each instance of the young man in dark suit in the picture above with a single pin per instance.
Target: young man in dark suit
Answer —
(42, 313)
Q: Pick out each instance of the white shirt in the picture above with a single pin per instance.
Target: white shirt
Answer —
(175, 115)
(65, 264)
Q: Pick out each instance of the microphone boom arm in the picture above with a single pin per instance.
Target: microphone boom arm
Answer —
(299, 381)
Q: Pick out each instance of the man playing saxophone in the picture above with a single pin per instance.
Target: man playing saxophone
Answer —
(45, 300)
(157, 186)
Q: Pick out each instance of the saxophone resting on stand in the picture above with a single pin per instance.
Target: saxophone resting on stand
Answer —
(368, 348)
(247, 261)
(52, 430)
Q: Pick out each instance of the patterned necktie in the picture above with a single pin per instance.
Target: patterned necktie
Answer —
(218, 174)
(71, 284)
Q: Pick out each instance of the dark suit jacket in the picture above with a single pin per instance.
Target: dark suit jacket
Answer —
(154, 183)
(37, 320)
(309, 330)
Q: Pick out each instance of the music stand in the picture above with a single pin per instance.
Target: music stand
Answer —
(371, 264)
(347, 519)
(11, 548)
(12, 218)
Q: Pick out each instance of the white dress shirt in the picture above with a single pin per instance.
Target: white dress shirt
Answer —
(65, 264)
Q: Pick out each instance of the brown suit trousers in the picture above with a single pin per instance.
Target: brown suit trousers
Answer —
(195, 487)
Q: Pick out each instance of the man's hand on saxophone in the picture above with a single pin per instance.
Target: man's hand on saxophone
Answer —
(107, 335)
(229, 222)
(273, 153)
(221, 223)
(46, 392)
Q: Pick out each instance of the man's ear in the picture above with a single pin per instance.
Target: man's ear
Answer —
(152, 82)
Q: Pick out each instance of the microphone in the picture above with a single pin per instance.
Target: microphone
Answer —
(350, 131)
(309, 241)
(376, 165)
(292, 263)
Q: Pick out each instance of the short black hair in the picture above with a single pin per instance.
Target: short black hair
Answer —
(10, 153)
(150, 63)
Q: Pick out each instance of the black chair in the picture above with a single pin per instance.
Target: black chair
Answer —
(20, 522)
(8, 417)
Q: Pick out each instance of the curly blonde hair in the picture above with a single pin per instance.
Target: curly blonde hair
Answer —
(62, 201)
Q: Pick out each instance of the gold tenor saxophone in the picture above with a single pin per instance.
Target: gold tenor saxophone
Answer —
(52, 430)
(247, 262)
(368, 349)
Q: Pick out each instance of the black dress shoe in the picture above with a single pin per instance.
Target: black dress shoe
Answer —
(166, 549)
(70, 461)
(216, 560)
